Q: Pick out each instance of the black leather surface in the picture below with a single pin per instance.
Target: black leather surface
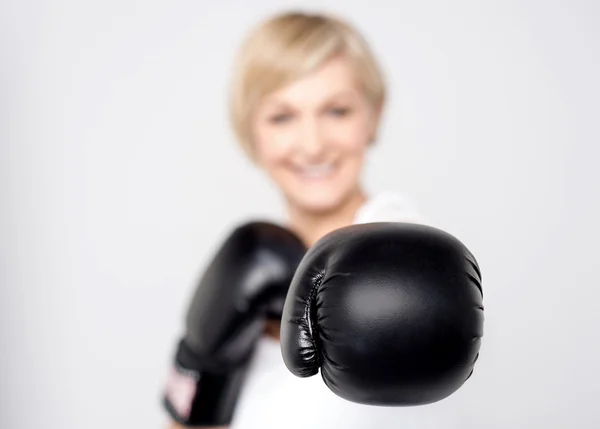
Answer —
(391, 313)
(244, 284)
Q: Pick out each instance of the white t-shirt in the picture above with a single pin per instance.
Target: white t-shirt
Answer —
(273, 398)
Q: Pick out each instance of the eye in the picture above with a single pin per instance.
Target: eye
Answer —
(340, 111)
(280, 118)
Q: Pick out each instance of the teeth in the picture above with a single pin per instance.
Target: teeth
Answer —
(317, 170)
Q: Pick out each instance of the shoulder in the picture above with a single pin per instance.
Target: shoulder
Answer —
(389, 206)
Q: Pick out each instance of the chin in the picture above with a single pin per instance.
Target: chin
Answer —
(318, 203)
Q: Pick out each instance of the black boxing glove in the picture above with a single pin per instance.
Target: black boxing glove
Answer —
(241, 287)
(391, 313)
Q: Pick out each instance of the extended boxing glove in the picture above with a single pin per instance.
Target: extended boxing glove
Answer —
(242, 286)
(391, 313)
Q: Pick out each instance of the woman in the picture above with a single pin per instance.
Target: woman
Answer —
(307, 101)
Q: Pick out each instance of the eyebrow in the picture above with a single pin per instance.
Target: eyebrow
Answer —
(342, 94)
(278, 103)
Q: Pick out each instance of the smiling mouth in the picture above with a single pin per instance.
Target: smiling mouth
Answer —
(315, 171)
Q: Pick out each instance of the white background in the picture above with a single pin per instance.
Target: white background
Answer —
(119, 175)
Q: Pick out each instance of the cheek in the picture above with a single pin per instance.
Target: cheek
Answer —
(350, 137)
(273, 148)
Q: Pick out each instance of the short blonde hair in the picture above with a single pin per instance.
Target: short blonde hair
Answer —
(286, 47)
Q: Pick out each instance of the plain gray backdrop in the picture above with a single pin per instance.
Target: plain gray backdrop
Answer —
(119, 176)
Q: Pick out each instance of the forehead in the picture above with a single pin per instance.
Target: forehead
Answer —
(334, 78)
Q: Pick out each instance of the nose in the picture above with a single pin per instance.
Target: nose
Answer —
(311, 142)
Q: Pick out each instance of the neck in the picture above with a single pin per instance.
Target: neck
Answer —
(311, 226)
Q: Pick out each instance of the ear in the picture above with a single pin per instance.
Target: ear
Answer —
(254, 156)
(252, 150)
(377, 111)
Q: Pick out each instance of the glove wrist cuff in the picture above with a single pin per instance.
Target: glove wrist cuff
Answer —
(197, 398)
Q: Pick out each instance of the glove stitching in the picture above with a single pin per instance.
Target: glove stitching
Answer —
(311, 314)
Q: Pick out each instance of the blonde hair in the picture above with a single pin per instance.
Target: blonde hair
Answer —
(286, 47)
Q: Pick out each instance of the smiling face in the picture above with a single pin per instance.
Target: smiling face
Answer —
(311, 136)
